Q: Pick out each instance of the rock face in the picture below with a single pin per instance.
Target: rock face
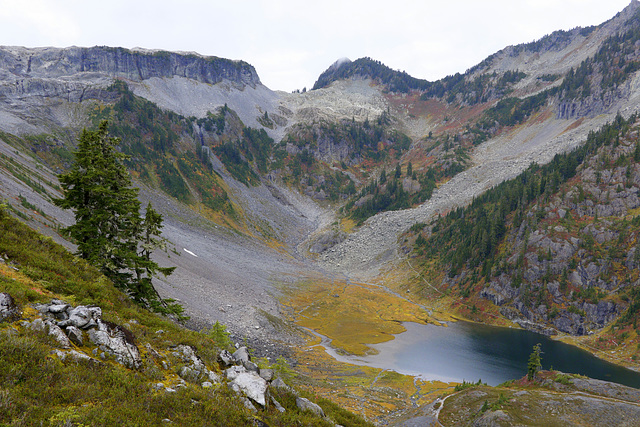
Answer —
(37, 84)
(136, 65)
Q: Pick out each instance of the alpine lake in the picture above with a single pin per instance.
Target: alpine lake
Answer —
(463, 351)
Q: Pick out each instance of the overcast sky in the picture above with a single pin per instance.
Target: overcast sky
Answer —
(290, 42)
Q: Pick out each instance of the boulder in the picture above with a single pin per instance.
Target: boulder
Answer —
(234, 371)
(58, 307)
(250, 366)
(82, 317)
(493, 418)
(118, 342)
(195, 368)
(252, 385)
(267, 374)
(59, 335)
(306, 405)
(9, 311)
(241, 355)
(75, 335)
(225, 358)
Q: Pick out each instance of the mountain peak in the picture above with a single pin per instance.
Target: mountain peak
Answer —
(339, 63)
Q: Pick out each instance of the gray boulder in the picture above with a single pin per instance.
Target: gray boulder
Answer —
(82, 317)
(195, 368)
(234, 371)
(306, 405)
(118, 342)
(250, 366)
(241, 355)
(267, 374)
(225, 358)
(75, 335)
(252, 385)
(9, 311)
(59, 335)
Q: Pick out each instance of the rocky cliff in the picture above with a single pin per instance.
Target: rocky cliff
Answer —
(136, 65)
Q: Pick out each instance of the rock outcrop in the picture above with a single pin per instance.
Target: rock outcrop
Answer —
(135, 65)
(69, 324)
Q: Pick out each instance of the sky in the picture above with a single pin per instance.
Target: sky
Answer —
(290, 42)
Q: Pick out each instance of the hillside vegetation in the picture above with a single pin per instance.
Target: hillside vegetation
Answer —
(557, 245)
(90, 390)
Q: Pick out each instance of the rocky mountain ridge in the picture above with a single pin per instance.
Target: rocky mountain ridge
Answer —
(131, 64)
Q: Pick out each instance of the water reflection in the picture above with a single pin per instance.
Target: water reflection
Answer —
(467, 351)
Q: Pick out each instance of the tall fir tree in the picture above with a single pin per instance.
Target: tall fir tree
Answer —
(108, 229)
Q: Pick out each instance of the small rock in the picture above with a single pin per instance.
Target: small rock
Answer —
(249, 405)
(278, 383)
(207, 384)
(152, 352)
(277, 404)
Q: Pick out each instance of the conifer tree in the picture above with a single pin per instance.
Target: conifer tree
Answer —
(535, 362)
(108, 229)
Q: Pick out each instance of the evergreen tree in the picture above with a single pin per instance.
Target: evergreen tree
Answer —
(141, 287)
(535, 362)
(108, 229)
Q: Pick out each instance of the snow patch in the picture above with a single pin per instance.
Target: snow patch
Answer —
(189, 252)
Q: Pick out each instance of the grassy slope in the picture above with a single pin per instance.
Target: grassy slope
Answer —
(37, 388)
(554, 398)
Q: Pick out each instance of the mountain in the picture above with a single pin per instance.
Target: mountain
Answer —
(371, 173)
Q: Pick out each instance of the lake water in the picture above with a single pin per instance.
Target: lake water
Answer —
(469, 351)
